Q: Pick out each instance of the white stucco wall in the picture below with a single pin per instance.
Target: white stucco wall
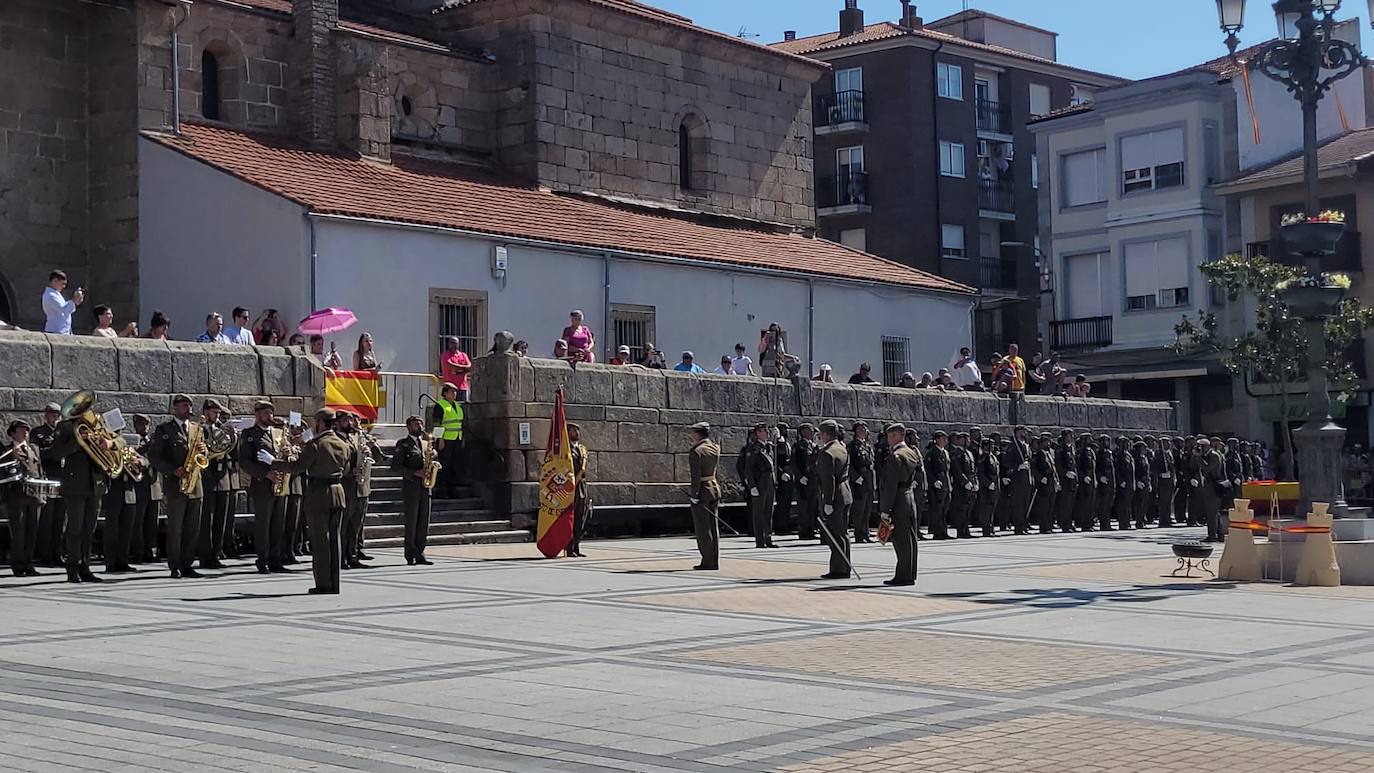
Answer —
(208, 242)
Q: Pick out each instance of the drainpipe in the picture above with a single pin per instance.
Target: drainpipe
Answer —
(810, 327)
(606, 306)
(314, 256)
(935, 136)
(176, 66)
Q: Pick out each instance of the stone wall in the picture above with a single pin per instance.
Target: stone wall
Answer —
(140, 376)
(635, 421)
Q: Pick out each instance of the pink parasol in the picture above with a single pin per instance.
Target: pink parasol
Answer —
(325, 321)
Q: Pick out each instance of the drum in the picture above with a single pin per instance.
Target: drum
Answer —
(39, 488)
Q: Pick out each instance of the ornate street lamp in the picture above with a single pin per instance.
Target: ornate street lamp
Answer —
(1308, 60)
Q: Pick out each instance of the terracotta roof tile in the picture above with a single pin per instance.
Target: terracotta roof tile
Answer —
(390, 35)
(1351, 147)
(886, 30)
(280, 6)
(447, 195)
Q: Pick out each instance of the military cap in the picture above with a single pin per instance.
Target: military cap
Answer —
(1202, 441)
(996, 436)
(326, 414)
(211, 404)
(16, 425)
(448, 385)
(856, 426)
(1085, 436)
(140, 417)
(938, 433)
(414, 418)
(1022, 428)
(895, 426)
(976, 429)
(987, 441)
(278, 421)
(180, 398)
(806, 425)
(574, 425)
(782, 426)
(1104, 438)
(1232, 441)
(52, 408)
(1137, 439)
(831, 426)
(702, 426)
(1064, 432)
(1046, 436)
(263, 405)
(960, 433)
(1139, 444)
(761, 425)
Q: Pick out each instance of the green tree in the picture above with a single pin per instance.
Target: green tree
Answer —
(1275, 349)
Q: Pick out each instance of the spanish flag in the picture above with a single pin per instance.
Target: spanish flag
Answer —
(557, 487)
(353, 390)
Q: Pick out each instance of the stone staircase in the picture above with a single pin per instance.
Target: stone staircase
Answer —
(462, 521)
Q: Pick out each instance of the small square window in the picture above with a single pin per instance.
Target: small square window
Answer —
(950, 80)
(952, 241)
(1141, 303)
(952, 161)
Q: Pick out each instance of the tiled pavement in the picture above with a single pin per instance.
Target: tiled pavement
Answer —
(1061, 653)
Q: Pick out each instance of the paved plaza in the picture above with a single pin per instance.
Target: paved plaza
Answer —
(1041, 653)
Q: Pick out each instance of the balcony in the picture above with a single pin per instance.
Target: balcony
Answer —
(996, 200)
(994, 117)
(1081, 333)
(1349, 256)
(842, 111)
(844, 194)
(997, 274)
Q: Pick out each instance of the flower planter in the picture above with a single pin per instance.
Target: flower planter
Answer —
(1313, 302)
(1312, 238)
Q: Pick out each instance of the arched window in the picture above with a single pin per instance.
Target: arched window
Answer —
(209, 85)
(684, 156)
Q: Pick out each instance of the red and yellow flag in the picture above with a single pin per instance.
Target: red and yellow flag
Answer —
(557, 487)
(353, 390)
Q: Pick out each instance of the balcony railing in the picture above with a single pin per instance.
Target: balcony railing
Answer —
(996, 196)
(843, 190)
(1349, 256)
(1081, 333)
(996, 274)
(993, 117)
(839, 108)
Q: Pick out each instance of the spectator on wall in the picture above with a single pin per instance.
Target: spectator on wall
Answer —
(653, 358)
(927, 381)
(907, 381)
(363, 357)
(104, 324)
(521, 348)
(726, 366)
(741, 364)
(826, 375)
(965, 369)
(214, 330)
(622, 355)
(159, 327)
(58, 309)
(1018, 368)
(268, 321)
(239, 331)
(688, 364)
(864, 376)
(581, 342)
(454, 367)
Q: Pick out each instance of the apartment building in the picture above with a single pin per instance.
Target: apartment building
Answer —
(922, 154)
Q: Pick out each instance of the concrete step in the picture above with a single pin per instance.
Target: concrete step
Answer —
(466, 516)
(394, 508)
(469, 527)
(478, 538)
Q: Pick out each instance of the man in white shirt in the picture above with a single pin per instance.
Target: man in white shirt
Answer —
(726, 367)
(740, 364)
(239, 332)
(965, 370)
(58, 309)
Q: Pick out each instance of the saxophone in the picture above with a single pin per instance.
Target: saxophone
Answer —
(284, 450)
(431, 462)
(196, 459)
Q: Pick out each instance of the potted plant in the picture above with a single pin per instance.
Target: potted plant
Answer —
(1310, 296)
(1315, 234)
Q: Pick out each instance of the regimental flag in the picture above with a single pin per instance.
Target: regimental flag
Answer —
(557, 487)
(353, 390)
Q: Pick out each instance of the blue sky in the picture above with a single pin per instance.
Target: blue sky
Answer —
(1131, 38)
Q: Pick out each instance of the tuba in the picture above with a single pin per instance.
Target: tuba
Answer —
(196, 459)
(432, 466)
(92, 434)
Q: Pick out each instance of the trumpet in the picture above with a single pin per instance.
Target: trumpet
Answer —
(106, 449)
(196, 458)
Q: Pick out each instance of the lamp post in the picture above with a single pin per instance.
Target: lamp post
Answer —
(1308, 60)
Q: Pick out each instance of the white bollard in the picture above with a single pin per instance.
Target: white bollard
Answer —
(1240, 559)
(1318, 566)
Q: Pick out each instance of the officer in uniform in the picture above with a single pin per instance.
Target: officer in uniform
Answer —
(269, 510)
(938, 474)
(52, 519)
(1002, 516)
(760, 478)
(1085, 499)
(1162, 464)
(1140, 502)
(1106, 483)
(297, 543)
(1125, 483)
(920, 483)
(1018, 468)
(963, 487)
(117, 510)
(862, 479)
(703, 492)
(803, 468)
(147, 498)
(325, 460)
(357, 490)
(83, 485)
(989, 486)
(741, 472)
(897, 502)
(448, 415)
(1046, 484)
(832, 478)
(782, 457)
(1211, 475)
(582, 500)
(1183, 475)
(408, 458)
(1257, 461)
(1235, 473)
(216, 508)
(168, 454)
(1066, 464)
(21, 507)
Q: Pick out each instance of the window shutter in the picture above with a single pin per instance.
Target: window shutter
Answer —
(1139, 263)
(1171, 261)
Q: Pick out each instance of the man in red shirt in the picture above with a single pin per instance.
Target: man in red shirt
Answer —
(454, 367)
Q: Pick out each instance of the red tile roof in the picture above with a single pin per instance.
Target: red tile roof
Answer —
(447, 195)
(1348, 148)
(887, 30)
(280, 6)
(391, 35)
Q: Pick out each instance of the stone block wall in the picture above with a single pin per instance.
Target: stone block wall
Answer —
(140, 376)
(635, 421)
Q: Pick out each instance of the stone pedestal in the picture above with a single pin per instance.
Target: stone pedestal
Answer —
(1318, 565)
(1319, 444)
(1240, 559)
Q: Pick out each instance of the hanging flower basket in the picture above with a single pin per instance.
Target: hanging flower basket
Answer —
(1313, 236)
(1310, 301)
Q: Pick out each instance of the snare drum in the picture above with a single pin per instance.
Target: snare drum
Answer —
(39, 488)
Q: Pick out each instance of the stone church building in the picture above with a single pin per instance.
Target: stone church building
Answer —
(441, 167)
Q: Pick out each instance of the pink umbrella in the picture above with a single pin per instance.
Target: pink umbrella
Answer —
(325, 321)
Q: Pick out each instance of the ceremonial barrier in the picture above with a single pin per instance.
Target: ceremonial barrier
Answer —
(139, 375)
(634, 422)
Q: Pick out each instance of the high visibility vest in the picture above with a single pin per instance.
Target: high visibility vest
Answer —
(453, 419)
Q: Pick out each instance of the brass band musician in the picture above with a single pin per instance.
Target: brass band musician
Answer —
(414, 455)
(178, 448)
(266, 489)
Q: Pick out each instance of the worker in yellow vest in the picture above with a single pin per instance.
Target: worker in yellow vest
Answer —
(448, 417)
